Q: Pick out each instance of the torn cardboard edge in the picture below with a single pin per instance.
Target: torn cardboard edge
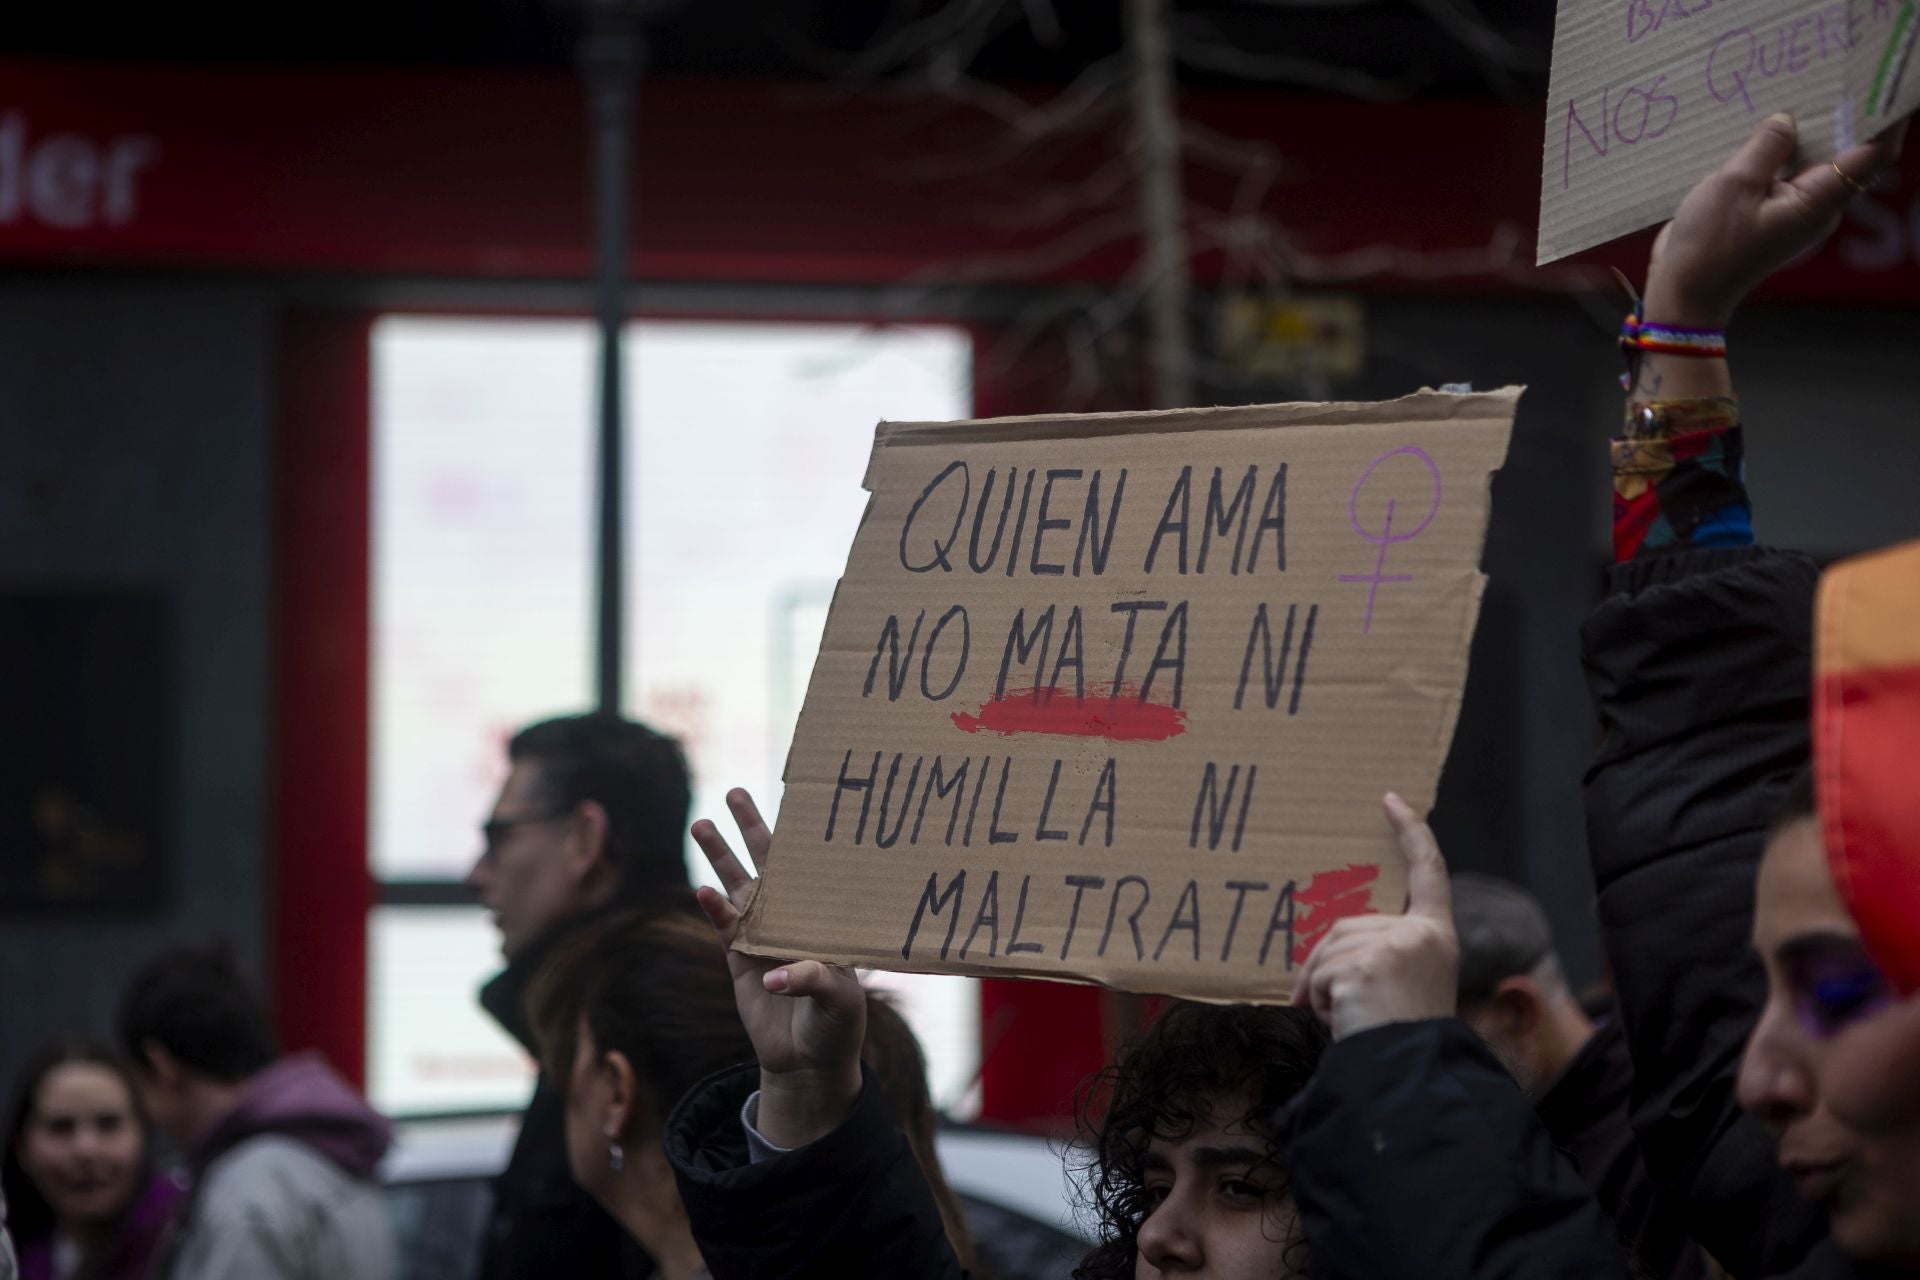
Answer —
(1443, 406)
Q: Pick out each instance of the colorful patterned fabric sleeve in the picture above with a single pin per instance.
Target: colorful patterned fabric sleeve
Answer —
(1679, 479)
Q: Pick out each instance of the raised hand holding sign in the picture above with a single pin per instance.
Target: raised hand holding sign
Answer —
(806, 1020)
(1373, 970)
(1648, 97)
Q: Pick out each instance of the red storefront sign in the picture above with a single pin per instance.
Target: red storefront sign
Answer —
(484, 174)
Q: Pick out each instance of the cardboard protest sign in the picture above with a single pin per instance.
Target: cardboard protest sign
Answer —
(1115, 697)
(1649, 96)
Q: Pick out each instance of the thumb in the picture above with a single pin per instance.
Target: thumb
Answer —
(837, 991)
(1429, 891)
(1759, 160)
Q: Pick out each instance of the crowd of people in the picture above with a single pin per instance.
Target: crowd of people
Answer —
(1742, 1100)
(278, 1155)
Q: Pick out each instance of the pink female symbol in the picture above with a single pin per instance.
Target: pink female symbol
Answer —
(1387, 537)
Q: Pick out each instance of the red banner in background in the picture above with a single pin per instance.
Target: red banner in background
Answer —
(483, 174)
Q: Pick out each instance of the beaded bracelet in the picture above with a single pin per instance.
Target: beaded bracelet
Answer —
(1638, 336)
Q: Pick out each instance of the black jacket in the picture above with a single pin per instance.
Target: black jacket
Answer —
(852, 1204)
(1413, 1153)
(1700, 667)
(1586, 1114)
(543, 1223)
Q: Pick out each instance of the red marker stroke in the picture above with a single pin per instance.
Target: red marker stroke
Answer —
(1330, 897)
(1115, 713)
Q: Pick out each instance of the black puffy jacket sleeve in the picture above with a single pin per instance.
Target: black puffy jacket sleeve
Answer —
(1700, 667)
(1413, 1154)
(851, 1205)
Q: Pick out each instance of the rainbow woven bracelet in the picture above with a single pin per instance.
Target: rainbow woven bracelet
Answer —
(1637, 337)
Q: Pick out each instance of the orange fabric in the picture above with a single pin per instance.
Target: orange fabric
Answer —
(1867, 749)
(1870, 612)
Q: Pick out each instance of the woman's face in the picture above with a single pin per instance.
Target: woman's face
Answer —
(1820, 982)
(82, 1145)
(1218, 1204)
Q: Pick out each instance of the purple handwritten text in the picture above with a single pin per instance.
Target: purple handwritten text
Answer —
(1644, 17)
(1629, 115)
(1742, 57)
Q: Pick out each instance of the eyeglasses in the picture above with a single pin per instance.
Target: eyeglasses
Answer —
(493, 830)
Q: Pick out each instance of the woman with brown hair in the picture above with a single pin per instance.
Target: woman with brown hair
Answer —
(629, 1015)
(633, 1013)
(83, 1198)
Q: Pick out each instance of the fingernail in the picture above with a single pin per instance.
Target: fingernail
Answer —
(777, 980)
(1783, 118)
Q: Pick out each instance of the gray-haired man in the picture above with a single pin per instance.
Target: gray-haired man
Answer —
(1514, 994)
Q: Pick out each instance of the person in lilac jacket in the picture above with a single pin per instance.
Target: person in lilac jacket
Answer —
(283, 1154)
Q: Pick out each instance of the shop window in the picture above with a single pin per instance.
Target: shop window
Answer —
(746, 443)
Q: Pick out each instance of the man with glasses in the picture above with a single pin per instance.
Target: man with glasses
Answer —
(592, 816)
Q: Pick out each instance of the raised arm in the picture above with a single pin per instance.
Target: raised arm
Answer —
(1413, 1152)
(1698, 662)
(792, 1167)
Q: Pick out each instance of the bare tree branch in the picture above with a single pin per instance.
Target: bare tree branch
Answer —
(1102, 189)
(1108, 335)
(1083, 107)
(952, 26)
(1086, 93)
(1244, 256)
(1231, 154)
(1498, 56)
(1044, 23)
(1038, 262)
(1312, 4)
(1200, 44)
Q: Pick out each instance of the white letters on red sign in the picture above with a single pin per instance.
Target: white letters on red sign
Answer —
(69, 181)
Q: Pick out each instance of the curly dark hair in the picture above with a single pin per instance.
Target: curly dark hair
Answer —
(1164, 1085)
